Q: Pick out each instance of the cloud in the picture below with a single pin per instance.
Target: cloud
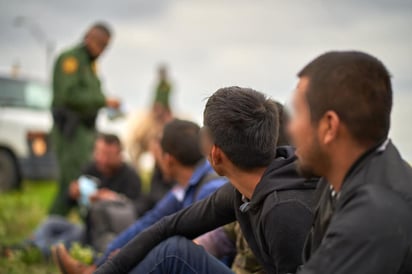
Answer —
(212, 43)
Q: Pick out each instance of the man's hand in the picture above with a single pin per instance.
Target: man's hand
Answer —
(104, 194)
(74, 191)
(113, 103)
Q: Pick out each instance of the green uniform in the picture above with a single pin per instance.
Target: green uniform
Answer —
(162, 96)
(77, 97)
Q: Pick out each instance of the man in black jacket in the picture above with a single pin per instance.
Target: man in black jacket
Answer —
(266, 196)
(110, 205)
(340, 128)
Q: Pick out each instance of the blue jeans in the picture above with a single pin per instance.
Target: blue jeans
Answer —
(55, 230)
(180, 255)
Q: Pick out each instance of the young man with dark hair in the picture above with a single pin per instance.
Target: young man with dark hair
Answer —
(181, 159)
(340, 128)
(229, 241)
(266, 196)
(115, 176)
(110, 139)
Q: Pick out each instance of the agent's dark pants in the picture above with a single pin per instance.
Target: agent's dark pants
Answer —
(180, 255)
(72, 155)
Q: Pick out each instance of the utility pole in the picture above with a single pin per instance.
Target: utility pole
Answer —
(38, 34)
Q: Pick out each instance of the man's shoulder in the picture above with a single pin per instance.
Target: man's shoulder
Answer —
(374, 208)
(91, 169)
(383, 183)
(214, 183)
(70, 60)
(209, 185)
(74, 54)
(127, 168)
(285, 201)
(211, 180)
(388, 169)
(74, 51)
(303, 195)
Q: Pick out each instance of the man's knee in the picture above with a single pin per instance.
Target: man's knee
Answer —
(174, 255)
(175, 245)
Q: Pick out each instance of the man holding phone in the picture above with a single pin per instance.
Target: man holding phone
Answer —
(106, 193)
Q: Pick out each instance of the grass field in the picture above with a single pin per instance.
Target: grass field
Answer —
(20, 213)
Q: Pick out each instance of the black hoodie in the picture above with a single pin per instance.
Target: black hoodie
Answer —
(275, 222)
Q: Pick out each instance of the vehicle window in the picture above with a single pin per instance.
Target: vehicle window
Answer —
(24, 94)
(11, 93)
(37, 96)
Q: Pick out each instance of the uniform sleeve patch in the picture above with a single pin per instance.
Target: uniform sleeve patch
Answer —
(70, 65)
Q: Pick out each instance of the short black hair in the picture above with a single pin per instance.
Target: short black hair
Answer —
(357, 87)
(181, 139)
(283, 138)
(110, 139)
(104, 27)
(244, 124)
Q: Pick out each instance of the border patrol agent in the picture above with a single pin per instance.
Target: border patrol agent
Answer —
(77, 98)
(162, 92)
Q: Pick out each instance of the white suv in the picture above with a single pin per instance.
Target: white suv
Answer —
(25, 123)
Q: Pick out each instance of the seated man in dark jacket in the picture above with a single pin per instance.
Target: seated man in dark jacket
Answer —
(342, 118)
(271, 202)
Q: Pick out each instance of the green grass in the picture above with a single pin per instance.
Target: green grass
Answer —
(20, 213)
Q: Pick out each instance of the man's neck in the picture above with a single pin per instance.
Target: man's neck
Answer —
(245, 181)
(89, 55)
(112, 171)
(341, 164)
(183, 175)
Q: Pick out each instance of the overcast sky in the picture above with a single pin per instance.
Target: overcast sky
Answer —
(211, 44)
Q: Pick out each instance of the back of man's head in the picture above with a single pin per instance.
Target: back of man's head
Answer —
(283, 138)
(181, 140)
(244, 125)
(357, 87)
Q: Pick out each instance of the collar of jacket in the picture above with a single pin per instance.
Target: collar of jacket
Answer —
(281, 175)
(364, 158)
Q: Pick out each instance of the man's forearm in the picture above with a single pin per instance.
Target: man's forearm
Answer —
(191, 222)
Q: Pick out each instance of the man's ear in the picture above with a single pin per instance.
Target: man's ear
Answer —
(218, 160)
(329, 127)
(170, 160)
(215, 155)
(218, 156)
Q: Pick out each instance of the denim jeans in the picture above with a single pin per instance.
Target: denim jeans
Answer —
(55, 230)
(180, 255)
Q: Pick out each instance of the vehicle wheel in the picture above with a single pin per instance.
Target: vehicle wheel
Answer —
(9, 176)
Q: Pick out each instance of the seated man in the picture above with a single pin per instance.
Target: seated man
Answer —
(116, 182)
(229, 241)
(343, 102)
(271, 202)
(159, 186)
(180, 159)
